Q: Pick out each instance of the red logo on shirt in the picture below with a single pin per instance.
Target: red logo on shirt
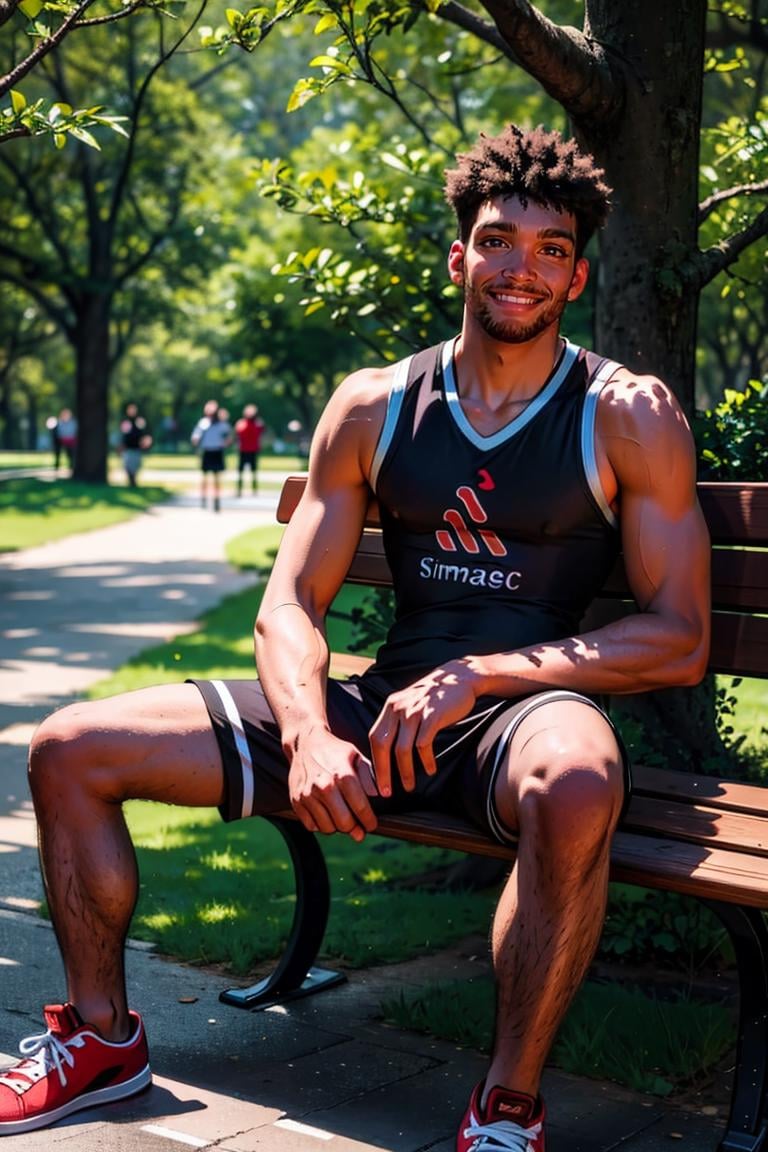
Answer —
(468, 539)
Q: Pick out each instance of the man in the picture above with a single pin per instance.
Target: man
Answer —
(135, 440)
(211, 435)
(67, 432)
(500, 461)
(249, 430)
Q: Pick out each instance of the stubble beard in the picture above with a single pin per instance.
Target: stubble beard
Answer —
(516, 332)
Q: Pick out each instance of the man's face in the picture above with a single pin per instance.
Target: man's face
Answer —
(518, 268)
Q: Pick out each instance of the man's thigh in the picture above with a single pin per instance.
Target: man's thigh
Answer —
(255, 766)
(539, 741)
(151, 744)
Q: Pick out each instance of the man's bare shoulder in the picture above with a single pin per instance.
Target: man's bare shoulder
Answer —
(642, 407)
(643, 428)
(367, 388)
(351, 424)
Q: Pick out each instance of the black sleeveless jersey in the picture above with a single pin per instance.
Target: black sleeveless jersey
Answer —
(495, 542)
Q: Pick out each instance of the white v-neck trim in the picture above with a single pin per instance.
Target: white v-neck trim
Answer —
(515, 426)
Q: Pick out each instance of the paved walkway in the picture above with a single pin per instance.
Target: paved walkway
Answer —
(322, 1073)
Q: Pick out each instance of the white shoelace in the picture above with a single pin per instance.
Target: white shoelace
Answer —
(42, 1053)
(503, 1135)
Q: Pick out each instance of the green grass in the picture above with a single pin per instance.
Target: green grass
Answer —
(185, 461)
(34, 512)
(224, 894)
(221, 648)
(610, 1032)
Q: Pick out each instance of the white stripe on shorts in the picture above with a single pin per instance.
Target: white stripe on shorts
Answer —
(241, 744)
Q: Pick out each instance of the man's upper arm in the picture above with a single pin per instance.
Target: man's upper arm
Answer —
(664, 535)
(322, 535)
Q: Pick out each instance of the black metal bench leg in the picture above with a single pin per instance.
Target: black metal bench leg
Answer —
(295, 975)
(747, 1129)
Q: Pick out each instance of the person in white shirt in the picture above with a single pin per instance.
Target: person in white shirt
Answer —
(211, 436)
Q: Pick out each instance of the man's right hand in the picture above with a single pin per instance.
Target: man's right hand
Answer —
(329, 783)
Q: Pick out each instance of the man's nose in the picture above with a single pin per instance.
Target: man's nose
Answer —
(518, 265)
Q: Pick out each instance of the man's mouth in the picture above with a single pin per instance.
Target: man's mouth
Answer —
(516, 299)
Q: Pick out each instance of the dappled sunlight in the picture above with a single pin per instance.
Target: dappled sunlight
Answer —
(218, 913)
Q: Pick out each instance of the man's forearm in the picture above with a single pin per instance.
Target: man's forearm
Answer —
(639, 653)
(292, 659)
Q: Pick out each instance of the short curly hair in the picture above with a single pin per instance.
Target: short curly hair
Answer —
(533, 165)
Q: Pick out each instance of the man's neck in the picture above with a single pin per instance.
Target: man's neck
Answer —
(494, 372)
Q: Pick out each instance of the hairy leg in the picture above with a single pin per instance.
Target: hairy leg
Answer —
(85, 760)
(562, 789)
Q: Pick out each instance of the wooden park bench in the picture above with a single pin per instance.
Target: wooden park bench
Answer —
(697, 835)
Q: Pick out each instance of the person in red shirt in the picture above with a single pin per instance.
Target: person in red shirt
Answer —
(249, 430)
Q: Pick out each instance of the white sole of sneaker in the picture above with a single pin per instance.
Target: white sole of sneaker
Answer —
(88, 1100)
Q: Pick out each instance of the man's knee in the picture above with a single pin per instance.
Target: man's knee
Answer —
(572, 791)
(62, 752)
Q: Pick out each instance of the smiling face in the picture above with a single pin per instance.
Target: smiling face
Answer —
(518, 269)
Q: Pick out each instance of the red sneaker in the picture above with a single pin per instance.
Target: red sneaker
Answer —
(67, 1068)
(510, 1122)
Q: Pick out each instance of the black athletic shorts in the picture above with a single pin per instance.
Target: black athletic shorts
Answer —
(212, 460)
(468, 754)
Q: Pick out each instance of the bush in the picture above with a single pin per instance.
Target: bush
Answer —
(732, 438)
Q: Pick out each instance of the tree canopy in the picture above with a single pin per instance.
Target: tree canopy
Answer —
(263, 221)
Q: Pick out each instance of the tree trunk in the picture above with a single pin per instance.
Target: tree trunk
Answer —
(650, 154)
(92, 381)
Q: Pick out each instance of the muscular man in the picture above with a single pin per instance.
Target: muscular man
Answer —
(510, 466)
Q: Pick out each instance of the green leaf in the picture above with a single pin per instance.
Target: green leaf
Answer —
(86, 137)
(18, 102)
(326, 61)
(324, 23)
(31, 8)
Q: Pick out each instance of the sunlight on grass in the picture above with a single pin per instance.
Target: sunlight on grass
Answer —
(218, 913)
(188, 859)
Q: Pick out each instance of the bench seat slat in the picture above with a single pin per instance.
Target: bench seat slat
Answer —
(697, 824)
(691, 788)
(649, 861)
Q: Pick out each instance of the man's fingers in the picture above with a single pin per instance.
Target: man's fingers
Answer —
(404, 759)
(427, 754)
(381, 738)
(366, 776)
(357, 802)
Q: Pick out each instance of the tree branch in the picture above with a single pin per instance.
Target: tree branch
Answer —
(48, 220)
(113, 17)
(705, 266)
(44, 46)
(119, 186)
(482, 29)
(59, 316)
(571, 67)
(707, 207)
(7, 10)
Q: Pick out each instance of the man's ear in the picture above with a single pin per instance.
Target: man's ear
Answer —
(456, 262)
(579, 278)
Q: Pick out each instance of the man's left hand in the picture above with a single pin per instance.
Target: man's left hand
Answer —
(412, 717)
